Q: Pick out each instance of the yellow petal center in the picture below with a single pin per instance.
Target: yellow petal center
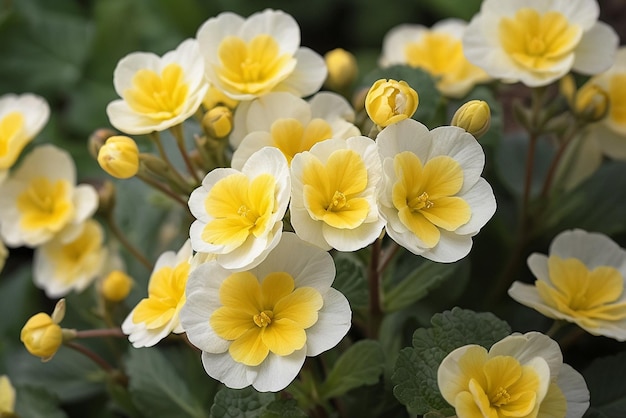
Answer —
(255, 67)
(333, 192)
(424, 196)
(10, 127)
(587, 295)
(538, 41)
(158, 96)
(240, 207)
(263, 317)
(45, 204)
(292, 137)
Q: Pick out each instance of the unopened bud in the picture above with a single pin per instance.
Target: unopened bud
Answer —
(41, 336)
(218, 122)
(342, 69)
(390, 101)
(474, 116)
(591, 102)
(116, 286)
(119, 156)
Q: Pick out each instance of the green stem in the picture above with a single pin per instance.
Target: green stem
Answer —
(177, 132)
(119, 234)
(98, 333)
(554, 164)
(162, 188)
(375, 311)
(91, 355)
(176, 176)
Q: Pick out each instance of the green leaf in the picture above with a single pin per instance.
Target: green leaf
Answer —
(453, 8)
(157, 389)
(240, 403)
(420, 81)
(36, 402)
(283, 408)
(361, 364)
(415, 375)
(350, 279)
(605, 380)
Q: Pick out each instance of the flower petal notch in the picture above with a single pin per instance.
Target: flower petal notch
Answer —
(581, 281)
(256, 327)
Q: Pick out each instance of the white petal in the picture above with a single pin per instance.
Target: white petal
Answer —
(451, 248)
(222, 367)
(574, 387)
(308, 75)
(592, 248)
(406, 135)
(277, 24)
(276, 372)
(333, 323)
(353, 239)
(596, 50)
(483, 205)
(250, 144)
(307, 228)
(529, 346)
(450, 378)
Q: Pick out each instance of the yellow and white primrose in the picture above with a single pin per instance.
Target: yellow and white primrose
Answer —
(539, 41)
(256, 327)
(580, 281)
(157, 92)
(432, 196)
(247, 58)
(21, 119)
(437, 50)
(290, 124)
(239, 213)
(40, 199)
(520, 376)
(158, 315)
(333, 194)
(61, 265)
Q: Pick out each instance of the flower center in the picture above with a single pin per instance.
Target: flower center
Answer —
(538, 41)
(263, 319)
(239, 208)
(332, 192)
(159, 96)
(291, 137)
(424, 196)
(501, 397)
(254, 67)
(45, 204)
(10, 126)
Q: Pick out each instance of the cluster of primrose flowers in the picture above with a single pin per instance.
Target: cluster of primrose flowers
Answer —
(285, 172)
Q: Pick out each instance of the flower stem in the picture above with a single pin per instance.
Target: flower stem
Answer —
(373, 278)
(97, 333)
(162, 188)
(119, 234)
(177, 132)
(177, 177)
(93, 356)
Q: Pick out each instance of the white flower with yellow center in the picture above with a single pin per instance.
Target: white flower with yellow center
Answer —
(437, 50)
(247, 58)
(581, 281)
(333, 194)
(520, 376)
(157, 92)
(539, 41)
(40, 199)
(61, 266)
(158, 315)
(21, 119)
(290, 124)
(256, 327)
(432, 196)
(239, 213)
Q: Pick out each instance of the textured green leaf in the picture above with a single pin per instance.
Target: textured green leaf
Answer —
(350, 279)
(605, 380)
(37, 402)
(415, 374)
(283, 408)
(157, 389)
(240, 403)
(361, 364)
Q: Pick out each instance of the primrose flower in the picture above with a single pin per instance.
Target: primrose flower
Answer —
(333, 194)
(157, 92)
(7, 397)
(539, 41)
(432, 195)
(239, 213)
(62, 265)
(290, 124)
(40, 199)
(156, 316)
(21, 119)
(390, 101)
(581, 281)
(438, 50)
(520, 376)
(256, 327)
(247, 58)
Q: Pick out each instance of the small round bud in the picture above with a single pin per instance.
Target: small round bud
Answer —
(116, 286)
(591, 102)
(97, 139)
(41, 336)
(7, 397)
(119, 156)
(474, 116)
(390, 101)
(218, 122)
(215, 97)
(342, 69)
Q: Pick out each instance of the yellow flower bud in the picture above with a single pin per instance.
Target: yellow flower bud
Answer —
(41, 336)
(390, 101)
(215, 97)
(342, 69)
(116, 286)
(474, 116)
(119, 156)
(7, 397)
(218, 122)
(591, 102)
